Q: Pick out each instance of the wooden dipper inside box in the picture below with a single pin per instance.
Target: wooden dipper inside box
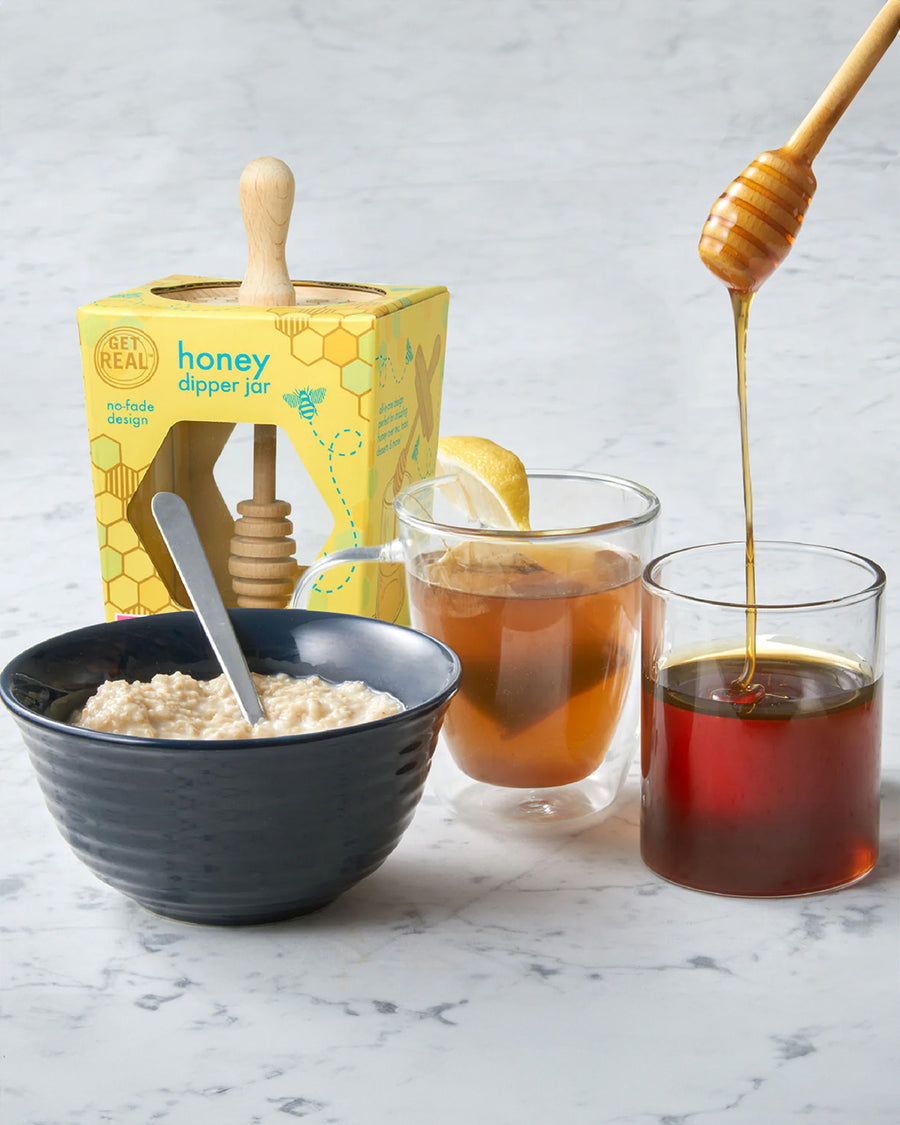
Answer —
(262, 565)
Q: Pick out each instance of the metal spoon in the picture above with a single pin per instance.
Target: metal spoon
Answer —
(180, 535)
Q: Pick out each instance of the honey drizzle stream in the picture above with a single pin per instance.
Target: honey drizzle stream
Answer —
(740, 303)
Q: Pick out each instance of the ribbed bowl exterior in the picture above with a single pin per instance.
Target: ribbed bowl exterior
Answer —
(236, 833)
(206, 836)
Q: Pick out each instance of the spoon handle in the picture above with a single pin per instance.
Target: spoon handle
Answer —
(180, 535)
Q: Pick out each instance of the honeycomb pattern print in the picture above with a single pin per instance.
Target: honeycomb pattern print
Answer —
(332, 352)
(130, 583)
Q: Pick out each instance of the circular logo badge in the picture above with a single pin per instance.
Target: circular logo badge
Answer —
(125, 357)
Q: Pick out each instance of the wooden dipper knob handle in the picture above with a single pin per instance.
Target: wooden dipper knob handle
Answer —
(753, 224)
(266, 192)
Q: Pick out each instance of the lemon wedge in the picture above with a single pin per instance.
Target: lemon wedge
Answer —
(493, 487)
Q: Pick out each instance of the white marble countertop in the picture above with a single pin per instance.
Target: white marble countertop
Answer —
(552, 165)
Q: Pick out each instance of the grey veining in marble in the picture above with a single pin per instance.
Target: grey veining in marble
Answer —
(552, 164)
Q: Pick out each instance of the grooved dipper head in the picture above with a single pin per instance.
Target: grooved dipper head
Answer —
(753, 224)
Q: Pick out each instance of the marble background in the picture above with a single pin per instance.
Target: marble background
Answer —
(552, 164)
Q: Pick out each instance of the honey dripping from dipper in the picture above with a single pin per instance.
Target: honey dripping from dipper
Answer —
(743, 690)
(750, 231)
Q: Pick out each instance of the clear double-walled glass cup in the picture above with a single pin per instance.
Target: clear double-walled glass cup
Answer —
(760, 776)
(547, 626)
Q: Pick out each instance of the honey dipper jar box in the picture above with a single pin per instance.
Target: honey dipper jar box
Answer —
(347, 379)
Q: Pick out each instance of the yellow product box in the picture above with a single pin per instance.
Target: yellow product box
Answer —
(348, 380)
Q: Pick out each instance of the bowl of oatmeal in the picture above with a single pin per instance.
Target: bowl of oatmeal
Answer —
(164, 791)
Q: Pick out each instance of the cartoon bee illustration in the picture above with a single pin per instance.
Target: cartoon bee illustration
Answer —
(306, 400)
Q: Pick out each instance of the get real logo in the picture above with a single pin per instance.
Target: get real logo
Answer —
(125, 357)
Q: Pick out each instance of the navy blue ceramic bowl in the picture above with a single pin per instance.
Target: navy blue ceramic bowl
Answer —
(233, 832)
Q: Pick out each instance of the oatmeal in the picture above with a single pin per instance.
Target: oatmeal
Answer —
(178, 706)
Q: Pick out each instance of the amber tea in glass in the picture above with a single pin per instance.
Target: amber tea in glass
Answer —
(546, 624)
(546, 636)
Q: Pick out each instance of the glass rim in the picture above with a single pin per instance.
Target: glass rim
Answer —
(650, 499)
(875, 586)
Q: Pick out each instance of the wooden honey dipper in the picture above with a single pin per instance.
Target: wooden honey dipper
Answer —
(262, 565)
(754, 223)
